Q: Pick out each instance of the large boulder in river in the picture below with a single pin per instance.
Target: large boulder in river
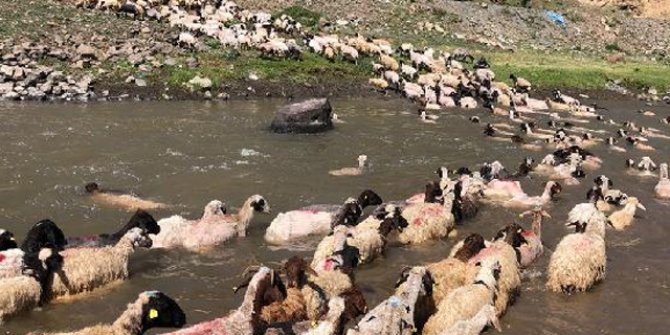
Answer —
(309, 116)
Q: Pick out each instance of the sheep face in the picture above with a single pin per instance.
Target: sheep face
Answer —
(602, 180)
(7, 240)
(555, 189)
(392, 218)
(296, 269)
(91, 187)
(417, 276)
(161, 311)
(215, 208)
(143, 220)
(259, 204)
(511, 234)
(44, 234)
(369, 198)
(433, 193)
(471, 247)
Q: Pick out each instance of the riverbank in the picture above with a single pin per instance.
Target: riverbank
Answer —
(109, 57)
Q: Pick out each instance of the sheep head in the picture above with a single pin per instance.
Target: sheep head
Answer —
(471, 247)
(511, 234)
(296, 270)
(369, 198)
(44, 234)
(159, 310)
(433, 193)
(7, 240)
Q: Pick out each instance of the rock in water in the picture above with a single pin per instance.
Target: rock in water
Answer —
(309, 116)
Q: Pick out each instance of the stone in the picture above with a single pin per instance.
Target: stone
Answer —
(201, 82)
(135, 59)
(140, 82)
(11, 96)
(6, 87)
(308, 116)
(86, 51)
(170, 61)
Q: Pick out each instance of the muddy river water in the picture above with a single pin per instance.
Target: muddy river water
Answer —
(187, 153)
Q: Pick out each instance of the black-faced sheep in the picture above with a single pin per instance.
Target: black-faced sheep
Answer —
(152, 309)
(141, 219)
(7, 240)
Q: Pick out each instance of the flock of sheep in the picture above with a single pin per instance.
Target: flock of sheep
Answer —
(464, 293)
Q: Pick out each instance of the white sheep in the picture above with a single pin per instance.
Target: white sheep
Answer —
(349, 53)
(623, 218)
(466, 302)
(18, 293)
(218, 229)
(579, 260)
(475, 325)
(85, 269)
(152, 309)
(662, 188)
(397, 314)
(186, 40)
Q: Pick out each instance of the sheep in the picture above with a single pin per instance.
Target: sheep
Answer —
(623, 218)
(522, 85)
(475, 325)
(85, 269)
(389, 62)
(369, 236)
(662, 188)
(352, 171)
(466, 302)
(28, 289)
(212, 230)
(45, 234)
(427, 221)
(532, 248)
(349, 53)
(293, 307)
(116, 199)
(450, 272)
(152, 309)
(503, 250)
(141, 219)
(7, 240)
(318, 219)
(520, 199)
(378, 83)
(588, 213)
(403, 312)
(579, 260)
(243, 320)
(332, 323)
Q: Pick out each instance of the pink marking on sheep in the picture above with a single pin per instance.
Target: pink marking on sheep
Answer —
(2, 257)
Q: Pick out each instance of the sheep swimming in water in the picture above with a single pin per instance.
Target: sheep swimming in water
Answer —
(116, 199)
(662, 189)
(352, 171)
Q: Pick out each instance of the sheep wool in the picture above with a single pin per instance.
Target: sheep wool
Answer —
(578, 262)
(330, 244)
(465, 302)
(11, 263)
(510, 277)
(623, 218)
(331, 324)
(427, 221)
(396, 315)
(448, 274)
(85, 269)
(474, 326)
(291, 309)
(18, 294)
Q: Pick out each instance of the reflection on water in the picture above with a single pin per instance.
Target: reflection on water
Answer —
(188, 153)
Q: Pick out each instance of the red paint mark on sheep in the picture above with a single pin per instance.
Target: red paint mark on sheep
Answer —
(2, 257)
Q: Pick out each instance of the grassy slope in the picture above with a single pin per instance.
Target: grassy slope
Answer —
(565, 70)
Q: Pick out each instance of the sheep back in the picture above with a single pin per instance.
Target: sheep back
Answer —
(510, 278)
(427, 221)
(448, 274)
(18, 294)
(578, 263)
(85, 269)
(291, 309)
(461, 304)
(369, 242)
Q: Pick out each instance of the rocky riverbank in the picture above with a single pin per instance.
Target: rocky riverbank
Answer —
(84, 54)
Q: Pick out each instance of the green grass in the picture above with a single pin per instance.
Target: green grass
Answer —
(221, 69)
(578, 71)
(306, 17)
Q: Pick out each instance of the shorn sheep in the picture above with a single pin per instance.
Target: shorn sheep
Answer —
(465, 302)
(531, 248)
(141, 219)
(85, 269)
(152, 309)
(579, 260)
(427, 221)
(450, 273)
(214, 229)
(317, 219)
(400, 314)
(243, 320)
